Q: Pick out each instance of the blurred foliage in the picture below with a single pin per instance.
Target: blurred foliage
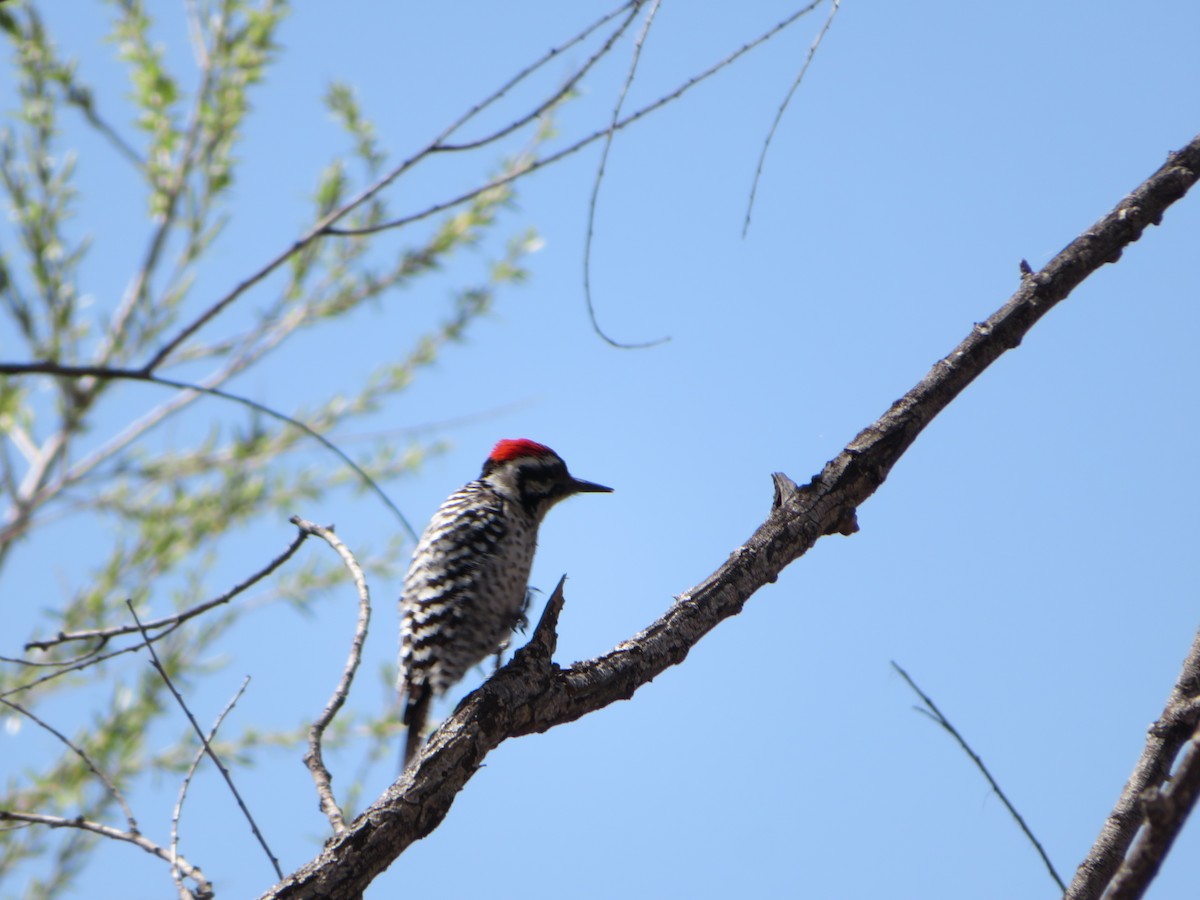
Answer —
(165, 511)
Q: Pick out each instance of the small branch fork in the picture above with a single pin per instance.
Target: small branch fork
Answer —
(162, 627)
(586, 141)
(313, 759)
(532, 694)
(177, 873)
(103, 635)
(208, 748)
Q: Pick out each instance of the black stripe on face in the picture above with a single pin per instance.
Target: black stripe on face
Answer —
(542, 482)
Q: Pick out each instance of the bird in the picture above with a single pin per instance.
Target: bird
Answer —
(467, 587)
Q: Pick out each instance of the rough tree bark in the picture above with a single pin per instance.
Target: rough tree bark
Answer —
(532, 694)
(1111, 865)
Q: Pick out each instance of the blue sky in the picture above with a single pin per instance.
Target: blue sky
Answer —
(1031, 561)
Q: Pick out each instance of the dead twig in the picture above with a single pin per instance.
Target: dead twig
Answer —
(208, 748)
(313, 759)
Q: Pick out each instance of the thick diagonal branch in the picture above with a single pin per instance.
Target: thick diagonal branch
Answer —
(532, 695)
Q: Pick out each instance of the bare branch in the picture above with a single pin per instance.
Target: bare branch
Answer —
(530, 695)
(930, 709)
(208, 748)
(78, 751)
(203, 888)
(1142, 801)
(313, 759)
(1166, 810)
(78, 664)
(44, 367)
(103, 635)
(582, 142)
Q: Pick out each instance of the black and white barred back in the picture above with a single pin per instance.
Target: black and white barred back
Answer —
(466, 589)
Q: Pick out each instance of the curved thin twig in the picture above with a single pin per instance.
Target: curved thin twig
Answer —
(762, 157)
(83, 100)
(591, 221)
(313, 758)
(44, 367)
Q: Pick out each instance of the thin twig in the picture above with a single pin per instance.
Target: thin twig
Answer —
(591, 222)
(51, 664)
(81, 99)
(95, 770)
(545, 161)
(79, 664)
(105, 372)
(131, 837)
(208, 748)
(251, 351)
(762, 157)
(439, 426)
(935, 714)
(313, 759)
(438, 143)
(176, 873)
(103, 635)
(86, 661)
(564, 89)
(20, 520)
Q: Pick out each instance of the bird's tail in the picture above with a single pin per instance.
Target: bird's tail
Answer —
(416, 710)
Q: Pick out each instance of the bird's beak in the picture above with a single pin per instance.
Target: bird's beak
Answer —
(588, 487)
